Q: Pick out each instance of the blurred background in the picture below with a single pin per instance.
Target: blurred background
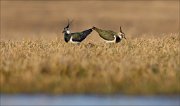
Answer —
(31, 19)
(21, 19)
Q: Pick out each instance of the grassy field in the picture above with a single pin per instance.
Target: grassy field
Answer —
(35, 59)
(143, 65)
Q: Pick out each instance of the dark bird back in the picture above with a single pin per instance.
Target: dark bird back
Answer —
(80, 36)
(75, 37)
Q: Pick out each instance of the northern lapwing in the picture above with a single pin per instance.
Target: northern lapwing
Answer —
(75, 37)
(110, 36)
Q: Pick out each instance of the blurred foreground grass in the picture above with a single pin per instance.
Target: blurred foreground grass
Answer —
(134, 66)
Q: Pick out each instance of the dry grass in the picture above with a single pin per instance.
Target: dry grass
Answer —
(33, 59)
(134, 66)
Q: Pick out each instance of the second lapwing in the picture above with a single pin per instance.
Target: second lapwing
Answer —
(110, 36)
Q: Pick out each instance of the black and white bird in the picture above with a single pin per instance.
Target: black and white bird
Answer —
(110, 36)
(75, 37)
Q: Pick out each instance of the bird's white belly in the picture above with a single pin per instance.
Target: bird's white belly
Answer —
(74, 42)
(111, 41)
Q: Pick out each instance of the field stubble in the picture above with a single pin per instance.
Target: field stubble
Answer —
(134, 66)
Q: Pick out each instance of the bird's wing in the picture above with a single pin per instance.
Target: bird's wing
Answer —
(112, 32)
(107, 34)
(80, 36)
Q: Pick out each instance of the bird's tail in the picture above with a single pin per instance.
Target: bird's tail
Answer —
(94, 28)
(85, 33)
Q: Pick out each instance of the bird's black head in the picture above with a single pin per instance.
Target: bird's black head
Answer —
(121, 34)
(66, 29)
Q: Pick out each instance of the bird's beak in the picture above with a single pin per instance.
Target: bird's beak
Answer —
(63, 31)
(124, 36)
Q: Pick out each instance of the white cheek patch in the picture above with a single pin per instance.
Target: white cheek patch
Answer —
(120, 36)
(68, 32)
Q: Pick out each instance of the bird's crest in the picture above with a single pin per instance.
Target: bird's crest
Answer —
(120, 29)
(66, 29)
(122, 33)
(69, 23)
